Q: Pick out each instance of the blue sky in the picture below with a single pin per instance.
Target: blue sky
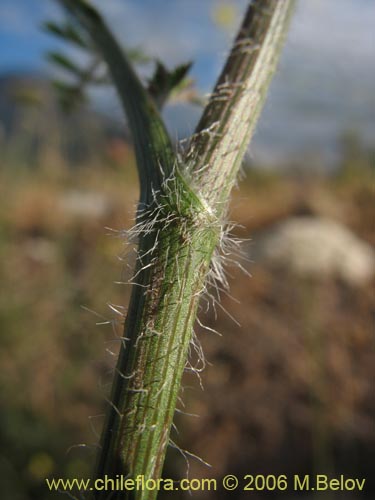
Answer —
(173, 31)
(21, 40)
(324, 84)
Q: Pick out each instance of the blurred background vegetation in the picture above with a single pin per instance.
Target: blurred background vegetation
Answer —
(288, 391)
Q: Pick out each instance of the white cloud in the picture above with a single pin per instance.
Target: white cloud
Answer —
(341, 31)
(175, 31)
(13, 18)
(20, 18)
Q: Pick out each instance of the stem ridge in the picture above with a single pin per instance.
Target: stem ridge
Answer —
(180, 223)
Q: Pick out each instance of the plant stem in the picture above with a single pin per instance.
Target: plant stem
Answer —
(163, 309)
(228, 122)
(180, 223)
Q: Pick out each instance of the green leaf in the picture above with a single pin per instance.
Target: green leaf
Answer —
(67, 32)
(179, 73)
(136, 55)
(69, 96)
(64, 62)
(164, 82)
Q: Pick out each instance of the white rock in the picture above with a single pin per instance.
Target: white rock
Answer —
(317, 247)
(41, 250)
(85, 204)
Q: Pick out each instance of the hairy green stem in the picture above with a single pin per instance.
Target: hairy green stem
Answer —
(227, 124)
(180, 223)
(161, 317)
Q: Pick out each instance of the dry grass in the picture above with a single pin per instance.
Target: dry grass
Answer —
(288, 391)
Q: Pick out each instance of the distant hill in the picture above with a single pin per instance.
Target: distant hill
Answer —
(32, 121)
